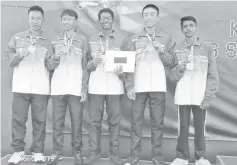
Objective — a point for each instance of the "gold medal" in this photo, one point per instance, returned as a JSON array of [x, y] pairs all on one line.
[[150, 47], [31, 49], [190, 66]]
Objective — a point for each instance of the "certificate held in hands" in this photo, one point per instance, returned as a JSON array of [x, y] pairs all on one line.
[[126, 59]]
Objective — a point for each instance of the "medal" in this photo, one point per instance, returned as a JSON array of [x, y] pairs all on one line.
[[151, 39], [31, 49], [150, 47]]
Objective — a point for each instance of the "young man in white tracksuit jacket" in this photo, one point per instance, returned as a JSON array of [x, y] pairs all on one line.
[[197, 83], [154, 59], [105, 87], [27, 52], [68, 62]]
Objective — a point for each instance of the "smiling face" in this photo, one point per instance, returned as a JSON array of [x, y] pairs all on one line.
[[68, 22], [150, 17], [36, 20], [189, 28], [106, 20]]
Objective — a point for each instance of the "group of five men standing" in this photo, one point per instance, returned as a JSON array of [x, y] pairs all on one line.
[[69, 67]]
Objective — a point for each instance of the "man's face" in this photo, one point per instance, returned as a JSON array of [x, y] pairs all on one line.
[[106, 20], [189, 28], [36, 20], [150, 17], [68, 22]]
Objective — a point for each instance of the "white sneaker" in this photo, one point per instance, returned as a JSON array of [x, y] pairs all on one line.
[[179, 161], [38, 157], [16, 158], [202, 161]]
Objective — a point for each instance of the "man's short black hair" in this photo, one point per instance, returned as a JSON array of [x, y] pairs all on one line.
[[151, 6], [36, 8], [105, 10], [187, 18], [69, 12]]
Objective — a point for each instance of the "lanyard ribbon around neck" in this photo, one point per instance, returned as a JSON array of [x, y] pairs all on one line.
[[68, 42], [190, 65], [103, 49], [151, 38], [32, 39]]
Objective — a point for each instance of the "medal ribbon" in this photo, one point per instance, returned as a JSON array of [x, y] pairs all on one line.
[[103, 49], [191, 48], [68, 42], [32, 39], [151, 38], [191, 58]]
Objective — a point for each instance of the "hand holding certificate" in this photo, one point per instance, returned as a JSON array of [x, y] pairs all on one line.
[[123, 59]]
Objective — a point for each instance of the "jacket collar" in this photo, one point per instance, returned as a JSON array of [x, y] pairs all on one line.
[[76, 36], [197, 42], [111, 34], [28, 33], [157, 33]]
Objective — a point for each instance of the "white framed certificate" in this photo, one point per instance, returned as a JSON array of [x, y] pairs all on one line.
[[114, 58]]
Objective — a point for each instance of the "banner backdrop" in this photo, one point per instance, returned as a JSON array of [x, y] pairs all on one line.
[[217, 23]]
